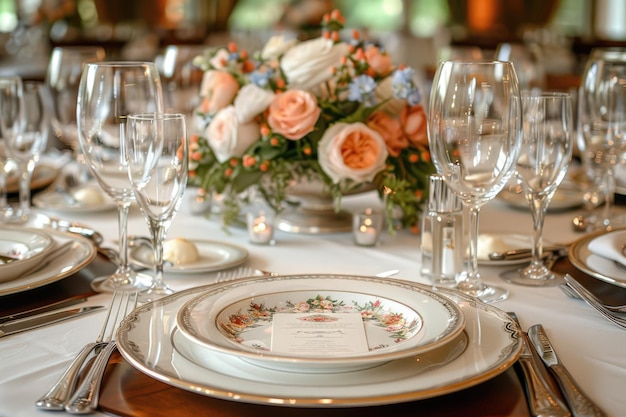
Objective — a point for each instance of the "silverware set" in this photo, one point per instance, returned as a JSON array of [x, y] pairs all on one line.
[[615, 314]]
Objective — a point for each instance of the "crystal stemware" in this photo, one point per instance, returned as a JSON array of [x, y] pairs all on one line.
[[602, 124], [11, 106], [26, 147], [108, 93], [544, 157], [474, 134], [156, 147]]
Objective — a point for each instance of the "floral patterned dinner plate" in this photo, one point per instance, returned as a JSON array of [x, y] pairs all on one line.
[[399, 320]]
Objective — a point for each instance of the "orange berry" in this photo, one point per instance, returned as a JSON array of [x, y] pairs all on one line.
[[413, 158], [264, 130], [274, 141], [326, 34], [335, 14], [307, 151], [232, 47], [356, 34], [335, 36], [228, 172], [415, 229], [233, 162]]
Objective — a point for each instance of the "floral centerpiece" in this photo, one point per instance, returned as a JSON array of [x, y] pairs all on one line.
[[332, 110]]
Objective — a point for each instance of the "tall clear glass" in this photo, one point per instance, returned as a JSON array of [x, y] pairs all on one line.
[[474, 134], [156, 148], [26, 147], [544, 157], [109, 92], [602, 124], [11, 106]]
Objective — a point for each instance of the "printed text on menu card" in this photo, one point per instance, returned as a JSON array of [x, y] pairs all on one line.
[[318, 334]]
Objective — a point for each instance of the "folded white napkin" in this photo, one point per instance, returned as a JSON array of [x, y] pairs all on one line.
[[610, 246]]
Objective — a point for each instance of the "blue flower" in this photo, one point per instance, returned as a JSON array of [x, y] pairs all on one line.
[[403, 86], [362, 88], [261, 78]]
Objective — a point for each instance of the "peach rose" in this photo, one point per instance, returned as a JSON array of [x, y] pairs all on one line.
[[293, 114], [380, 62], [218, 90], [391, 131], [352, 151], [414, 123], [228, 137]]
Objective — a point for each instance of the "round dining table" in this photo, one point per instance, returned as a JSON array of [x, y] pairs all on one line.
[[590, 347]]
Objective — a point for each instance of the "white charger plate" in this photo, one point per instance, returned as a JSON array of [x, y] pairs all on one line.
[[595, 265], [73, 260], [399, 319], [214, 256], [148, 340]]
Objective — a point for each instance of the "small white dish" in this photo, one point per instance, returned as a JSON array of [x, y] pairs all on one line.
[[69, 262], [43, 176], [25, 246], [500, 242], [213, 256], [399, 320], [599, 267]]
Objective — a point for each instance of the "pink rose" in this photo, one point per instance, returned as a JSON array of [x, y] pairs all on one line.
[[414, 123], [218, 90], [380, 62], [293, 114], [391, 131], [352, 151], [228, 137]]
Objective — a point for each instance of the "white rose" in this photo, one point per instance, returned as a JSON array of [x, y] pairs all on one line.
[[352, 151], [251, 101], [310, 63], [228, 137], [220, 59], [276, 46]]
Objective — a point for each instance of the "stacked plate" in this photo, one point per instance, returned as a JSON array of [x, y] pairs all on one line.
[[290, 340], [28, 259]]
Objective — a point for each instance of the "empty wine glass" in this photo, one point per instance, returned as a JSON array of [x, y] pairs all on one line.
[[527, 60], [474, 134], [26, 147], [156, 146], [602, 124], [544, 157], [181, 78], [108, 93], [10, 124]]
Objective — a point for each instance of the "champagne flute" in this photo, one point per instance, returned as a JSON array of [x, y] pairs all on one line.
[[108, 93], [11, 106], [544, 157], [156, 147], [474, 134], [26, 147], [602, 124]]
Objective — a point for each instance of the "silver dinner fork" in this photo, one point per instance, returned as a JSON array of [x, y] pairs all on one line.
[[242, 272], [614, 317], [57, 397]]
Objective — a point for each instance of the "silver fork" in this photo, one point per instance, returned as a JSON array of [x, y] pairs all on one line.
[[241, 272], [85, 398], [615, 318], [60, 392]]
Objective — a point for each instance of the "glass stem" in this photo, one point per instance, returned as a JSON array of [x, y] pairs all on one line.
[[26, 174], [122, 214], [609, 197], [538, 210], [158, 237], [471, 283]]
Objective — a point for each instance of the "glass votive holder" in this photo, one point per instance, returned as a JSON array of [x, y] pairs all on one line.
[[261, 227], [366, 227]]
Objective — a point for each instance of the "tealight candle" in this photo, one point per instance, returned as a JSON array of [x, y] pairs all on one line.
[[367, 227], [260, 228]]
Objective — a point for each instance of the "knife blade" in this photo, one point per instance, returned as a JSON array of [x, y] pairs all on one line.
[[542, 401], [43, 309], [580, 404], [30, 323]]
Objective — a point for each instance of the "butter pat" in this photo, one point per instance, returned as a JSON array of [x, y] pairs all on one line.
[[180, 251], [489, 243], [88, 195]]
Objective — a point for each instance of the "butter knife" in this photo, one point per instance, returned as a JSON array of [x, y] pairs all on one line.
[[542, 401], [21, 325], [580, 404]]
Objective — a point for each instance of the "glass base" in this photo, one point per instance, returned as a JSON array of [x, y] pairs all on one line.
[[154, 293], [485, 293], [121, 282], [532, 277]]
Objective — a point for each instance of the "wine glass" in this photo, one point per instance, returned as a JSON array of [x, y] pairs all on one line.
[[544, 157], [474, 134], [156, 147], [62, 78], [108, 93], [181, 78], [602, 124], [11, 106], [527, 60], [26, 147]]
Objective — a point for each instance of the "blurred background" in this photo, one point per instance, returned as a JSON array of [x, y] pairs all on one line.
[[417, 32]]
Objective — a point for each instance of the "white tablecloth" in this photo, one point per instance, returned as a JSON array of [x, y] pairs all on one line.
[[591, 347]]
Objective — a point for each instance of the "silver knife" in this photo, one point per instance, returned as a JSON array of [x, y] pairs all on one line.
[[541, 399], [43, 309], [22, 325], [580, 404]]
